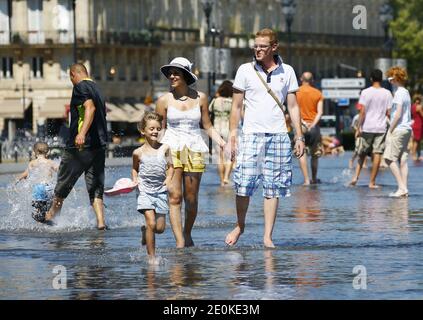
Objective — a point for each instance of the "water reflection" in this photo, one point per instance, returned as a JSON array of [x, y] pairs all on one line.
[[307, 205], [308, 270], [325, 231]]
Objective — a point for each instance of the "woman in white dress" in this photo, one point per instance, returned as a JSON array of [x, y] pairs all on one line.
[[183, 108], [221, 107]]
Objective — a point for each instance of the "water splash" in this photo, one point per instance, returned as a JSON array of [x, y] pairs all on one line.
[[76, 214]]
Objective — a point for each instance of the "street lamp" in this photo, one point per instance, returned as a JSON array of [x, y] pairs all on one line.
[[74, 30], [208, 8], [386, 15], [289, 9]]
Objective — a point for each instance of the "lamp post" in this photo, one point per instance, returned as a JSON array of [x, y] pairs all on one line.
[[289, 9], [214, 32], [386, 15], [74, 30], [208, 8]]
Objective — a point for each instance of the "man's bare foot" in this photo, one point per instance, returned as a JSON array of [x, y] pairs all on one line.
[[306, 183], [143, 239], [233, 236], [374, 186], [400, 193], [353, 182], [268, 244]]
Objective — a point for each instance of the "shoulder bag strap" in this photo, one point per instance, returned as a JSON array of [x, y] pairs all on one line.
[[268, 89]]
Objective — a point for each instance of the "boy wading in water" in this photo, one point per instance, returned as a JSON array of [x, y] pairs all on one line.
[[152, 169], [40, 171]]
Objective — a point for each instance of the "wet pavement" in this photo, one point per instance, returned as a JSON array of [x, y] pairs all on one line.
[[333, 242]]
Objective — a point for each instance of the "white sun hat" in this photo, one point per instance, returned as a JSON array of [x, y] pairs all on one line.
[[182, 64], [123, 185]]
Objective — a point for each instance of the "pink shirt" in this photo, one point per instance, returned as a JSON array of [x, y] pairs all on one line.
[[376, 102]]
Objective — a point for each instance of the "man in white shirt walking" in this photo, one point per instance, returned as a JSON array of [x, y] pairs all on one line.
[[264, 150], [372, 125]]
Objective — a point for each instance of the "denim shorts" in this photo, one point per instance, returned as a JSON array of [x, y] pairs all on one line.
[[153, 201], [264, 158]]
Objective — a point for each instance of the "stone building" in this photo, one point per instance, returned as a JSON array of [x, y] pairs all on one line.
[[124, 42]]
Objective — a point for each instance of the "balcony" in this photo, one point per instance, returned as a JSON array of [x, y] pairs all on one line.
[[311, 40], [143, 37]]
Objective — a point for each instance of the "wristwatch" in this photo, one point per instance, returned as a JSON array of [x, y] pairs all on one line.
[[301, 138]]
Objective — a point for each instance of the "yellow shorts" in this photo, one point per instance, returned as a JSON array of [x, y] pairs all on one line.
[[188, 160]]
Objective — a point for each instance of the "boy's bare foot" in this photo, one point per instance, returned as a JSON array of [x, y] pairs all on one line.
[[353, 182], [374, 186], [233, 236], [143, 239], [306, 183], [103, 228]]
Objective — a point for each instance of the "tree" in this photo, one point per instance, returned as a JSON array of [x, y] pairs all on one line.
[[407, 30]]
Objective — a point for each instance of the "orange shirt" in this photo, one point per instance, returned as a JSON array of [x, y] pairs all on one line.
[[308, 98]]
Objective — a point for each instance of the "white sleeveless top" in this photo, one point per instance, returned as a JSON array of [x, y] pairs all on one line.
[[152, 172], [183, 129]]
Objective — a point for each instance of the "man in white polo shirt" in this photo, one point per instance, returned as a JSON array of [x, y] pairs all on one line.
[[264, 150]]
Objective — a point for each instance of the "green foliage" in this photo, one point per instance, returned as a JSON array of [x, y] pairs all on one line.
[[407, 29]]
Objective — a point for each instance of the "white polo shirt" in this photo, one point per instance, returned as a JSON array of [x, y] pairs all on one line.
[[262, 113]]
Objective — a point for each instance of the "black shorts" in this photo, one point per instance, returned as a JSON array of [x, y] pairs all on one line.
[[73, 164], [313, 140]]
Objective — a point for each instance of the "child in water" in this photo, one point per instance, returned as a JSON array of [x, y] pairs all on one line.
[[40, 171], [152, 170]]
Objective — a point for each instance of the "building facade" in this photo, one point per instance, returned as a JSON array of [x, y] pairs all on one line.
[[124, 42]]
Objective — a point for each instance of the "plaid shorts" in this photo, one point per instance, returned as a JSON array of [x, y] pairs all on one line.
[[266, 158]]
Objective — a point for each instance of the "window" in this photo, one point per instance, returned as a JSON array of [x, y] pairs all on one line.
[[6, 68], [65, 63], [4, 22], [122, 73], [64, 22], [134, 73], [35, 22], [37, 67], [96, 72]]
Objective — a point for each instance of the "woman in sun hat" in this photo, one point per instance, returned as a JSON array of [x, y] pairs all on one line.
[[183, 108]]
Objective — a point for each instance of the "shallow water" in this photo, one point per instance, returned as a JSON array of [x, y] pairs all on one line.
[[322, 232]]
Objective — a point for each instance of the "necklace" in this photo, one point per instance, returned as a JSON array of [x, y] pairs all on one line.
[[182, 99]]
